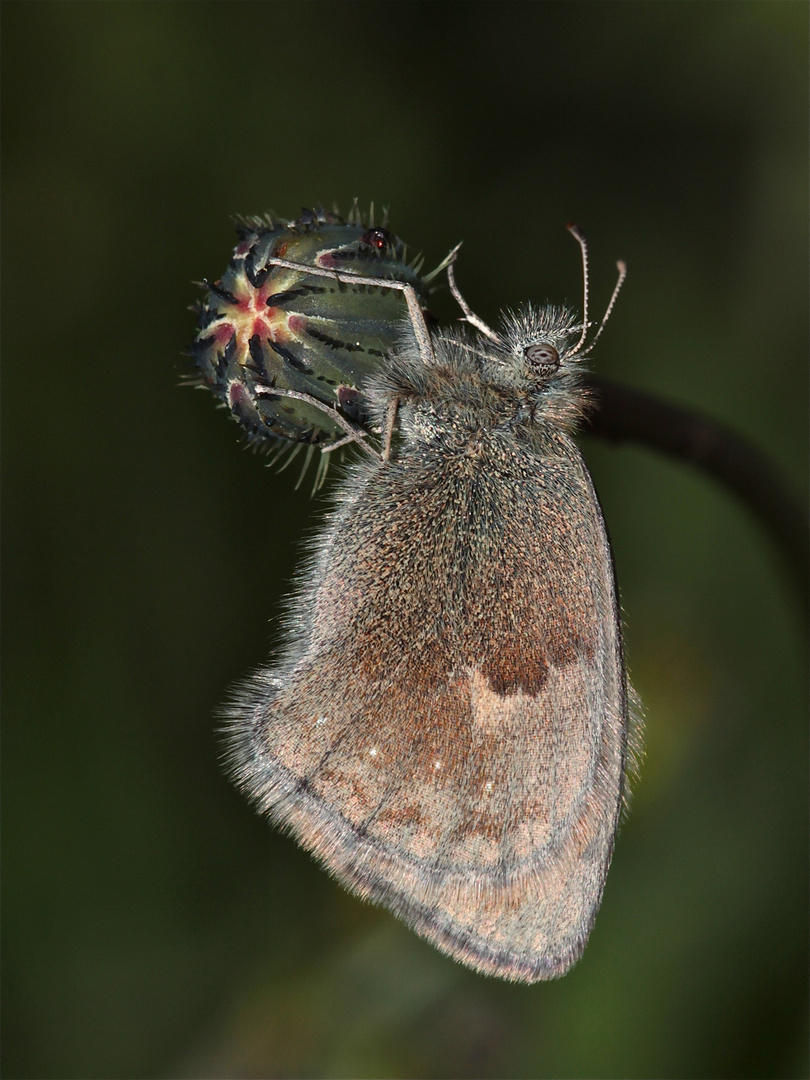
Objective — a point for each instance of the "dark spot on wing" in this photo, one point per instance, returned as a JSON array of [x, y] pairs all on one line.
[[507, 673], [523, 664]]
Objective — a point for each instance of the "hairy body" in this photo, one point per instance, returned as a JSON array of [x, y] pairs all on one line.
[[447, 730]]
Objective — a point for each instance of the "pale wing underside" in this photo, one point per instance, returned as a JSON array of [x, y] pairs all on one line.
[[451, 741]]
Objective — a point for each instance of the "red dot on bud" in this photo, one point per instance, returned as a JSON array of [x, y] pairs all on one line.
[[376, 238]]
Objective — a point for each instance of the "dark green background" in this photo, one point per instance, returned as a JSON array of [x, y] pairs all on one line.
[[152, 925]]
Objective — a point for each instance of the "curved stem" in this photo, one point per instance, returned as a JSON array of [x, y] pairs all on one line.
[[619, 413]]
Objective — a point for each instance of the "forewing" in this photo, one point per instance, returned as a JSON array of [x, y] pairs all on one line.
[[450, 737]]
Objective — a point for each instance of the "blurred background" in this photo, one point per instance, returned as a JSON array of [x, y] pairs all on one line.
[[152, 924]]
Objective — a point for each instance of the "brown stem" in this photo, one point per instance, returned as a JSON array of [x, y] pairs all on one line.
[[620, 413]]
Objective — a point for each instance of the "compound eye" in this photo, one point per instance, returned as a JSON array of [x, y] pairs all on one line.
[[543, 358]]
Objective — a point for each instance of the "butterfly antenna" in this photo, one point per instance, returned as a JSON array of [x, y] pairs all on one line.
[[583, 247], [622, 268]]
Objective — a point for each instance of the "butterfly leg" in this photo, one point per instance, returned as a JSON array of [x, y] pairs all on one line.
[[389, 428], [343, 277], [469, 314], [353, 434]]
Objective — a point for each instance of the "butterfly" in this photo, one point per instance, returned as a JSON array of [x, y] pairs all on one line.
[[448, 724]]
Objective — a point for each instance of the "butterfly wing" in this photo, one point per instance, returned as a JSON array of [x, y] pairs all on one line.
[[449, 734]]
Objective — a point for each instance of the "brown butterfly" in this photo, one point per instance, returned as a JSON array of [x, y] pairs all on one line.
[[447, 728]]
